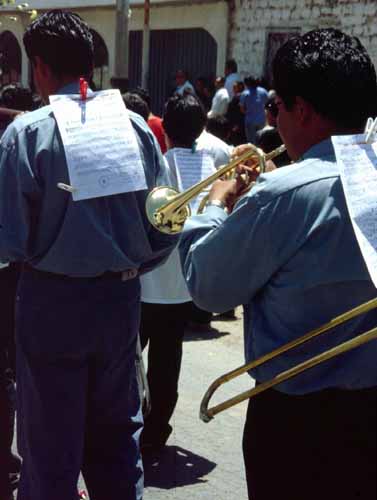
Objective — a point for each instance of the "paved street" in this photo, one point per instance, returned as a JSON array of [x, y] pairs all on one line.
[[204, 461]]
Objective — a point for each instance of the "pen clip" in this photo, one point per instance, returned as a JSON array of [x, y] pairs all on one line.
[[83, 89], [370, 130]]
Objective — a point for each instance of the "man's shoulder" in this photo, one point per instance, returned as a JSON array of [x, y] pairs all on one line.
[[289, 179]]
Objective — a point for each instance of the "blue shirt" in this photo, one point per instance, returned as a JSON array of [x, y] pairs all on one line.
[[253, 101], [41, 224], [288, 253]]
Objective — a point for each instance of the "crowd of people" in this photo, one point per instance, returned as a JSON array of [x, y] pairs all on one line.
[[82, 279], [235, 106]]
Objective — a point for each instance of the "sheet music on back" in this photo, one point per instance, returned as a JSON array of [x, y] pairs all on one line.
[[193, 168], [358, 170], [101, 148]]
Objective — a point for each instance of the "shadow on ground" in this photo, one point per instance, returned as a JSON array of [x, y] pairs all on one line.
[[210, 333], [174, 467]]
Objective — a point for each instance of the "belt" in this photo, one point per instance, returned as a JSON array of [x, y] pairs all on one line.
[[125, 275]]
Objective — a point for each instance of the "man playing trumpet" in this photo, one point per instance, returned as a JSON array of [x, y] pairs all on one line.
[[297, 265]]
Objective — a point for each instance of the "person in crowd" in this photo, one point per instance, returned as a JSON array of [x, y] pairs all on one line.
[[78, 297], [154, 121], [231, 76], [15, 100], [219, 126], [220, 101], [236, 117], [289, 253], [166, 303], [204, 92], [268, 138], [136, 104], [252, 103], [167, 307], [184, 86]]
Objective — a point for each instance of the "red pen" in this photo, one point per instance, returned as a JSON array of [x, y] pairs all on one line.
[[83, 89]]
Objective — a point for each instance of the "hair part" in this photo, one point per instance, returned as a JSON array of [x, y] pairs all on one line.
[[63, 41], [330, 70]]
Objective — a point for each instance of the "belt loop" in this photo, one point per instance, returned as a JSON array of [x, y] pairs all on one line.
[[129, 274]]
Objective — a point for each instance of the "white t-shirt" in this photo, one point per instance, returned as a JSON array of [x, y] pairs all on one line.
[[218, 149], [220, 103], [229, 82], [166, 284]]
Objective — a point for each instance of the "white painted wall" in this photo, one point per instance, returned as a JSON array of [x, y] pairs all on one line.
[[255, 18]]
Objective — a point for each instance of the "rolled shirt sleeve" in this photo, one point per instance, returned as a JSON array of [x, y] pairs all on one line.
[[219, 252]]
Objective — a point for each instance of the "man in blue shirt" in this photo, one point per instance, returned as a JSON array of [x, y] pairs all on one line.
[[298, 265], [78, 303], [252, 103]]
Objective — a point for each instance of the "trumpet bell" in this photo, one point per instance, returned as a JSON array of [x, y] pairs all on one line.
[[158, 198]]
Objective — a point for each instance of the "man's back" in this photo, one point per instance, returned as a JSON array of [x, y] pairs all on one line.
[[57, 234]]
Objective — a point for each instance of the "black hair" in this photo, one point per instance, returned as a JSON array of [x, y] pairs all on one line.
[[184, 120], [251, 81], [219, 126], [136, 104], [144, 94], [231, 65], [16, 97], [330, 70], [63, 41]]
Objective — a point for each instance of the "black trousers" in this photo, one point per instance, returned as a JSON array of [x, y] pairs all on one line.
[[163, 326], [319, 446], [9, 464]]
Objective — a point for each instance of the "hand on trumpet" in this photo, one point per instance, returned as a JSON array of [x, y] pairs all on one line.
[[228, 191], [250, 167]]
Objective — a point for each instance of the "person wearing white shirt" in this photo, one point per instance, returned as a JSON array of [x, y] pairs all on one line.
[[183, 84], [220, 101], [166, 302], [231, 76]]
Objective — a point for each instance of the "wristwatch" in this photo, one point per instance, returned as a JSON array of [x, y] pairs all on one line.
[[216, 203]]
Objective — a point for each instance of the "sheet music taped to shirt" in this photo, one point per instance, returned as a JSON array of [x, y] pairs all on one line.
[[358, 170], [100, 145], [193, 168]]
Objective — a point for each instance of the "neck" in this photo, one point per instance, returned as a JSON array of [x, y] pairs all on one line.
[[57, 83]]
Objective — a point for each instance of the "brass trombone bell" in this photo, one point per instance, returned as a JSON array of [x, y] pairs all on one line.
[[167, 209], [207, 414]]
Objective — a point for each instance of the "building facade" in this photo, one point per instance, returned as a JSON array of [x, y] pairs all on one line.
[[259, 27], [195, 35]]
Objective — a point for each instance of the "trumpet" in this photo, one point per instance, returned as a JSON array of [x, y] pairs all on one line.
[[167, 209], [206, 414]]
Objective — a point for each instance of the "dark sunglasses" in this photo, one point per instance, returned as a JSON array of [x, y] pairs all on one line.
[[273, 109]]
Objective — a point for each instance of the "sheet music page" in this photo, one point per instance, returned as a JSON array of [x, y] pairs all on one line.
[[101, 148], [193, 168], [358, 169]]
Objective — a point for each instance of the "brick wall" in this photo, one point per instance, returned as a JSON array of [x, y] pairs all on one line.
[[253, 20]]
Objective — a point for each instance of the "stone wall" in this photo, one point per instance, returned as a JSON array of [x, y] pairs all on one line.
[[253, 22]]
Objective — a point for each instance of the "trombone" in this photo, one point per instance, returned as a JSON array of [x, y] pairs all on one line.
[[167, 209], [206, 414]]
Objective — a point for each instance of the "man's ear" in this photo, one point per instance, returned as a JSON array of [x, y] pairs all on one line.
[[304, 111]]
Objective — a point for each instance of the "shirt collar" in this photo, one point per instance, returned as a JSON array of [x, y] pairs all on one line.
[[320, 150], [70, 88]]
